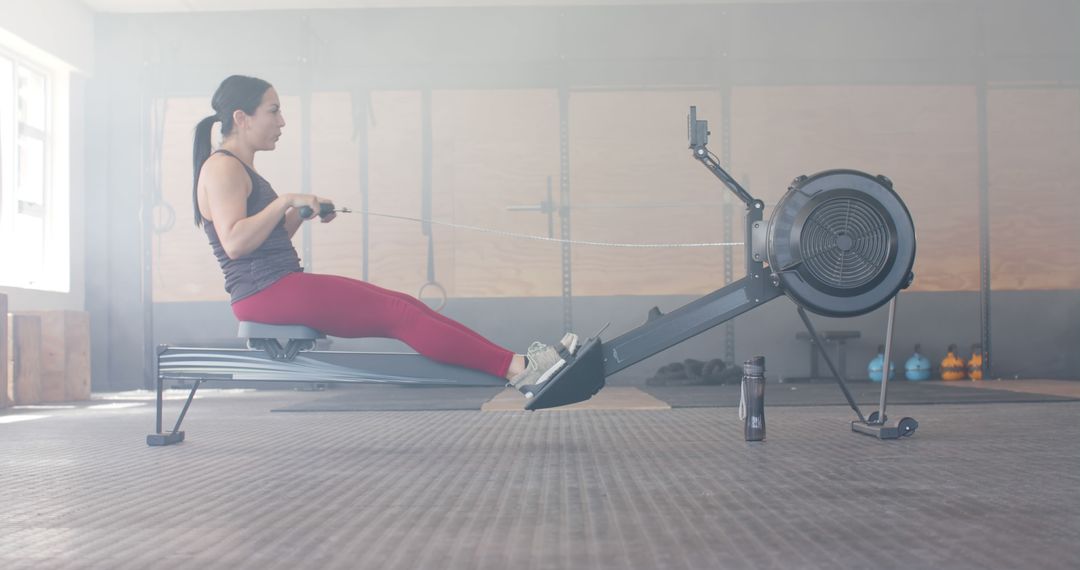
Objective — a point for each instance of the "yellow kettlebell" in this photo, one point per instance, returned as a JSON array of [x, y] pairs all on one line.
[[952, 367], [974, 365]]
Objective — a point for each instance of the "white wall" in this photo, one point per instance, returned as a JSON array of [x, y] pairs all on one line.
[[62, 29]]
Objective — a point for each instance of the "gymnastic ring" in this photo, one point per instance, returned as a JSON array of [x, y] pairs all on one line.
[[442, 302]]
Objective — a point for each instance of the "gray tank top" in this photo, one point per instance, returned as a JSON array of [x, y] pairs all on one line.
[[273, 259]]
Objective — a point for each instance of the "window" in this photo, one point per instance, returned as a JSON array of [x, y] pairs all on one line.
[[34, 248]]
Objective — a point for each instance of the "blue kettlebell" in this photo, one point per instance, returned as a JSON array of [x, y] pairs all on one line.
[[875, 366], [917, 367]]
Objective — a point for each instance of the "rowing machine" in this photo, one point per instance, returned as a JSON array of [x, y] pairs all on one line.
[[840, 243]]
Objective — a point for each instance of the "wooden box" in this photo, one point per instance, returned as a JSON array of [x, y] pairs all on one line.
[[65, 355], [24, 354], [5, 360]]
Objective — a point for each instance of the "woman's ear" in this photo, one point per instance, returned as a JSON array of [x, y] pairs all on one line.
[[239, 117]]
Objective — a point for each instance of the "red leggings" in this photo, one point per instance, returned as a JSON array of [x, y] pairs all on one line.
[[350, 308]]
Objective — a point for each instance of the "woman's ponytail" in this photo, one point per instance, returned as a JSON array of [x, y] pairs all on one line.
[[200, 153]]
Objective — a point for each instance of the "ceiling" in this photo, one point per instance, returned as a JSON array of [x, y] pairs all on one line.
[[136, 6]]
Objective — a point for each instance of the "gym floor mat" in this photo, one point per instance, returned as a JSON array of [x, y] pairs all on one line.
[[983, 487], [610, 398], [829, 394], [396, 398]]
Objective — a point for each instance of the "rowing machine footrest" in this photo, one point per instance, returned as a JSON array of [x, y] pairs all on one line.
[[580, 379]]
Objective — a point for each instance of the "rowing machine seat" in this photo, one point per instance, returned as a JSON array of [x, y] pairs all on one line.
[[261, 336], [251, 329]]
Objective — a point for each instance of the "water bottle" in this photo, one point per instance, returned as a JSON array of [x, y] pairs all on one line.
[[753, 391]]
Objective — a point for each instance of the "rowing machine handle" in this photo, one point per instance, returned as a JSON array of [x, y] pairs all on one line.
[[325, 209]]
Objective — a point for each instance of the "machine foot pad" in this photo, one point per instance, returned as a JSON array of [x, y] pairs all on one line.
[[159, 439]]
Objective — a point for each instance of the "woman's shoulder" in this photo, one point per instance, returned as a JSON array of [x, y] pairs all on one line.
[[221, 167]]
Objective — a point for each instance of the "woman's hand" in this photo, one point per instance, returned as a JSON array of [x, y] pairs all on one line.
[[298, 201]]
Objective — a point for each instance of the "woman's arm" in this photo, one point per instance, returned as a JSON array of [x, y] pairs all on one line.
[[292, 221], [227, 189]]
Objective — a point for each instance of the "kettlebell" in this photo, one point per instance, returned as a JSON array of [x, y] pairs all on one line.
[[974, 364], [917, 367], [952, 368], [876, 365]]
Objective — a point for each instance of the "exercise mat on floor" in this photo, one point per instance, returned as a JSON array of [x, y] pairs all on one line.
[[390, 398], [822, 394]]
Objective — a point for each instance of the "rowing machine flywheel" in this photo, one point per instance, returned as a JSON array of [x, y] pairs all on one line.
[[841, 243]]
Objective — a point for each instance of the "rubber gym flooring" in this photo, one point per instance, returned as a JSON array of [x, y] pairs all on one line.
[[633, 480]]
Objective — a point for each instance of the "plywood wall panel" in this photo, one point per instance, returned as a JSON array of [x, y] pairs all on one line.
[[629, 172]]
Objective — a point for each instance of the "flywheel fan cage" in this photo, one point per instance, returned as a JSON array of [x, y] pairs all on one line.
[[846, 242], [841, 243]]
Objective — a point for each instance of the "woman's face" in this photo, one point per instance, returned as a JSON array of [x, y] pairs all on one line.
[[262, 129]]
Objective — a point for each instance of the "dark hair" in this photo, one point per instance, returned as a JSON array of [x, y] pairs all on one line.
[[236, 92]]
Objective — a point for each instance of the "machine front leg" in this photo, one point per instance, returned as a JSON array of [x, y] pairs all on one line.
[[175, 436]]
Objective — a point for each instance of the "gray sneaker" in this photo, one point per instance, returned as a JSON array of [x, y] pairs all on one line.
[[568, 344], [544, 363]]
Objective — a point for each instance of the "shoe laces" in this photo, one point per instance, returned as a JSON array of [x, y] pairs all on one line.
[[536, 347]]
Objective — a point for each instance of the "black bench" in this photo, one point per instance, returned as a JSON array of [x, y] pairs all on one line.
[[839, 338]]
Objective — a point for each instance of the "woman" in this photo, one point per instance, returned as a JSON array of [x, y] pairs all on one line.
[[250, 229]]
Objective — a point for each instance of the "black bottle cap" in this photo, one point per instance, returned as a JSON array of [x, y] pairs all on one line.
[[754, 367]]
